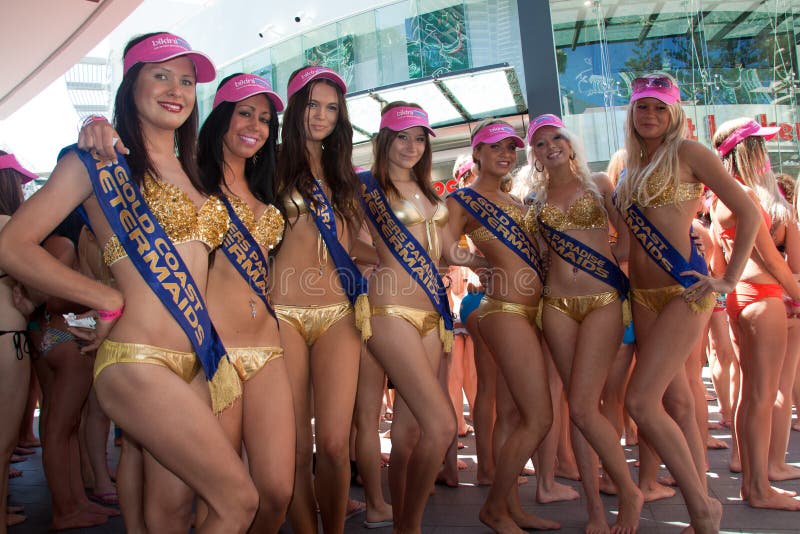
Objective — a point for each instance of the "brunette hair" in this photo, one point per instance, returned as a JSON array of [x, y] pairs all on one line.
[[128, 125], [294, 169], [421, 171], [259, 170], [11, 197]]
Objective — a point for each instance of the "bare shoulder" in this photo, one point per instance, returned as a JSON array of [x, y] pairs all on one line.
[[603, 182]]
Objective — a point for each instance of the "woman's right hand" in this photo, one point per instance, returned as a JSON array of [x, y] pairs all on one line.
[[99, 135]]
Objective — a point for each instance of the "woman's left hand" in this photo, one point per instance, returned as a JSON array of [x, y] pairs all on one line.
[[704, 285]]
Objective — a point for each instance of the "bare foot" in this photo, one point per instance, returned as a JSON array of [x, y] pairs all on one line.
[[15, 509], [484, 478], [502, 524], [597, 526], [384, 459], [78, 519], [784, 472], [735, 464], [444, 480], [570, 473], [14, 519], [30, 442], [796, 426], [714, 443], [533, 522], [711, 524], [462, 465], [656, 491], [630, 508], [667, 480], [522, 480], [528, 472], [556, 492], [713, 425], [773, 500], [98, 509], [607, 485]]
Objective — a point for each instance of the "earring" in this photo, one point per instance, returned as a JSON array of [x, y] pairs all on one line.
[[536, 164], [572, 156]]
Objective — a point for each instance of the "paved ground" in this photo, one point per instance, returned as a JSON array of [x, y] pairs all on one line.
[[456, 510]]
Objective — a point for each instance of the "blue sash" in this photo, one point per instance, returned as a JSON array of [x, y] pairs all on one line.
[[500, 224], [158, 262], [353, 283], [585, 258], [244, 253], [660, 250], [408, 252]]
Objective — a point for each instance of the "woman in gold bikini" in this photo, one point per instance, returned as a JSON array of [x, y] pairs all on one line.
[[665, 176], [506, 319], [237, 158], [147, 377], [423, 425], [318, 329], [582, 316]]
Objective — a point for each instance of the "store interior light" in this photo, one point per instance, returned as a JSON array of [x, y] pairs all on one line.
[[483, 94], [426, 94]]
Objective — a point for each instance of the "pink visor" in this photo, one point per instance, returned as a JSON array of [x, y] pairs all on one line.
[[661, 88], [8, 161], [497, 132], [308, 74], [543, 120], [741, 133], [465, 167], [405, 117], [166, 46], [244, 86]]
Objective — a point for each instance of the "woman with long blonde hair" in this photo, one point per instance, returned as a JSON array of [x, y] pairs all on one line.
[[755, 306], [665, 177]]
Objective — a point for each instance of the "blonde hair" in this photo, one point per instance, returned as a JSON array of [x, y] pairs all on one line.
[[633, 188], [616, 165], [538, 181], [748, 161]]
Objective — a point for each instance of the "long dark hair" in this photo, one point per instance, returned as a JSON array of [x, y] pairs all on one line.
[[10, 190], [294, 170], [421, 171], [259, 170], [127, 123]]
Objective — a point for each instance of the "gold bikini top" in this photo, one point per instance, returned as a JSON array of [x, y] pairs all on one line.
[[267, 230], [294, 205], [584, 214], [527, 222], [671, 194], [179, 217], [408, 214]]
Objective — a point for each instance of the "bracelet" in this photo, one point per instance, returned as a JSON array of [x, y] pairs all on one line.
[[795, 303], [110, 315], [92, 118]]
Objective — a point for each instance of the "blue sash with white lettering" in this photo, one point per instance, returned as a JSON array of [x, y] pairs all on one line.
[[154, 255], [407, 251], [660, 250], [500, 224], [244, 253], [353, 283], [585, 258]]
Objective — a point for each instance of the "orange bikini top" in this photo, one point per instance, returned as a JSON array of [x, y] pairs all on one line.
[[527, 221], [671, 194], [583, 214], [730, 233], [181, 219], [267, 230]]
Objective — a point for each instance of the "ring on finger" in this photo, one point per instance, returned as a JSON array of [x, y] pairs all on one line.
[[114, 141]]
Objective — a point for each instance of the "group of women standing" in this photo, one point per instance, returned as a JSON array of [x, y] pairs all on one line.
[[266, 353]]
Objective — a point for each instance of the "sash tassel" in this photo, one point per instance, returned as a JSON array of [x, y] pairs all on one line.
[[362, 311], [446, 336], [627, 316], [225, 386]]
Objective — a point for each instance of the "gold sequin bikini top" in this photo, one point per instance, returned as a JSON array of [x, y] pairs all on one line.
[[408, 214], [179, 217], [294, 205], [527, 221], [267, 230], [671, 194], [584, 214]]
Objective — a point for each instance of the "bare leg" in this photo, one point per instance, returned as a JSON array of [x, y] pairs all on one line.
[[14, 376], [664, 343], [27, 437], [97, 427], [649, 464], [130, 485], [412, 368], [483, 415], [178, 429], [782, 410], [371, 379], [721, 358], [334, 375]]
